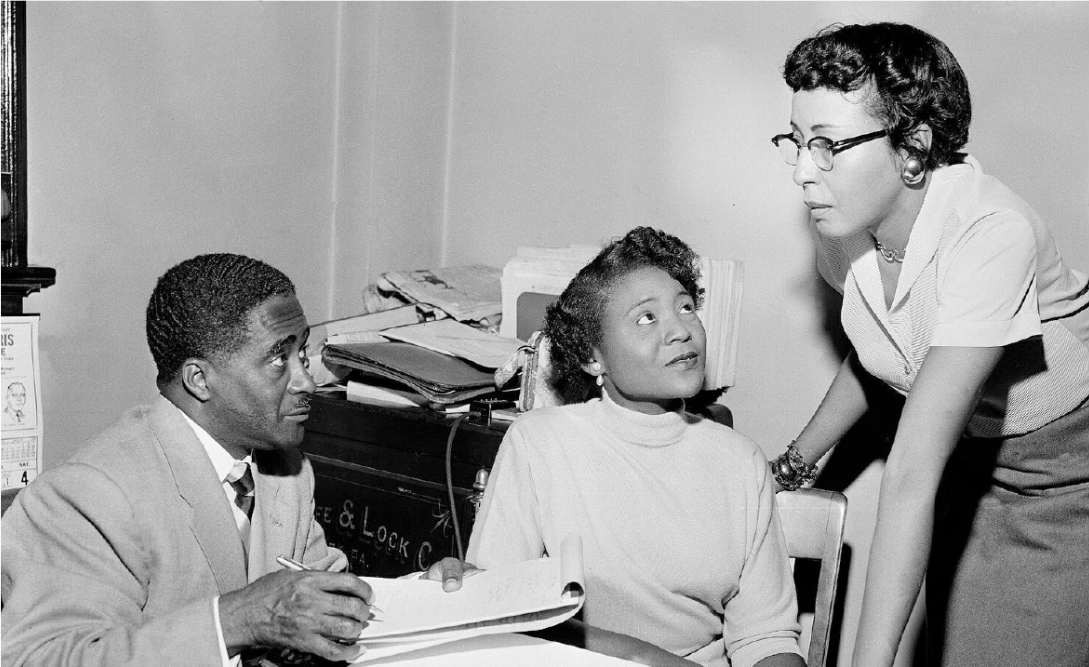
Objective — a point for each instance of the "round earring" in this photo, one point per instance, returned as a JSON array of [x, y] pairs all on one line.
[[600, 380], [914, 171]]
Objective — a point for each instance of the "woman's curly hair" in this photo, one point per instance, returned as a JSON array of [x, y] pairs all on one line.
[[915, 76], [573, 322]]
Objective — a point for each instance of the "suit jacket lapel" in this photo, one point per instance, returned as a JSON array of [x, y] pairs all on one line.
[[270, 535], [209, 516]]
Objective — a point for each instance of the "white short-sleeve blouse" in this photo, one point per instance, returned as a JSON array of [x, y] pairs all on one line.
[[981, 270]]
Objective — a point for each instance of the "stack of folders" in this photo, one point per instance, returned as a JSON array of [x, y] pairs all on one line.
[[362, 328], [439, 378], [721, 280], [445, 361]]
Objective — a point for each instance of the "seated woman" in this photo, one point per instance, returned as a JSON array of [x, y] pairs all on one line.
[[682, 551]]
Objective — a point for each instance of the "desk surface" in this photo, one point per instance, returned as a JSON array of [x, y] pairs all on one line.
[[501, 650]]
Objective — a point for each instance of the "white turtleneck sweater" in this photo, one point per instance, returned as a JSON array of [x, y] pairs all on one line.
[[681, 544]]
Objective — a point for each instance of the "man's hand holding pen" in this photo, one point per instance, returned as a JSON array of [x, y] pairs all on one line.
[[312, 611]]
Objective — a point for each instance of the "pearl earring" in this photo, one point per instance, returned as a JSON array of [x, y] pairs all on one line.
[[913, 172], [600, 381]]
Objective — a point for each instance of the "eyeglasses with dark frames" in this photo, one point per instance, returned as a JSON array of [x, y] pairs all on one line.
[[822, 149]]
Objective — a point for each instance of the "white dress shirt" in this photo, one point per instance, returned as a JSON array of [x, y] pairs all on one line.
[[222, 462]]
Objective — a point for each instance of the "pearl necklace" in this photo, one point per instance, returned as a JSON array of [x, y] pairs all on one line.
[[890, 255]]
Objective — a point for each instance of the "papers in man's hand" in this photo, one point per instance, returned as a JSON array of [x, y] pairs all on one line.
[[526, 596]]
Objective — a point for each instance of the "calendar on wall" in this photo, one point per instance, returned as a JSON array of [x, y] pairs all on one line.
[[20, 388]]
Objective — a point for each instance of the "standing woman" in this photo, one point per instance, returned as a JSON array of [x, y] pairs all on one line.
[[954, 295]]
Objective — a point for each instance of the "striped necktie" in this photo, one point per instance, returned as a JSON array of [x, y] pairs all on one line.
[[241, 480]]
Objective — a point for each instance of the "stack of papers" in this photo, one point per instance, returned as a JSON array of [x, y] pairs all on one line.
[[373, 394], [522, 597], [467, 293], [459, 340], [361, 328]]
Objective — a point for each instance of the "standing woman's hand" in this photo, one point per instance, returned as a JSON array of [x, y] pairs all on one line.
[[789, 471]]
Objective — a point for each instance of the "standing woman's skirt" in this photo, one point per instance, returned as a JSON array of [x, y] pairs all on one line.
[[1008, 582]]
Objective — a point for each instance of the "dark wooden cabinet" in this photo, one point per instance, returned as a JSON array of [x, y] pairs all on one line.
[[381, 490]]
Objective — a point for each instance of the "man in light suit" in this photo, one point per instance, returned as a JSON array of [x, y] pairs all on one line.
[[139, 550]]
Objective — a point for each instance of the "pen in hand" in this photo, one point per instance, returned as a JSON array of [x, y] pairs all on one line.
[[296, 566]]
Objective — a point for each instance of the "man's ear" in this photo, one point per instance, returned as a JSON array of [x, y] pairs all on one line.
[[194, 377]]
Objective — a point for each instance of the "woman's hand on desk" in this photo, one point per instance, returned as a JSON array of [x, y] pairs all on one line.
[[450, 571]]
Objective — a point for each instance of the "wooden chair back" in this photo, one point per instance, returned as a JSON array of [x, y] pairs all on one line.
[[813, 521]]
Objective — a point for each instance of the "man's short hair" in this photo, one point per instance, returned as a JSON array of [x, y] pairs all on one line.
[[200, 308]]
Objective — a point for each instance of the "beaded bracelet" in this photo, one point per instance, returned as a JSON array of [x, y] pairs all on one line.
[[791, 471]]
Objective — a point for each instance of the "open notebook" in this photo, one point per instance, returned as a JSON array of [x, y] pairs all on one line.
[[521, 597]]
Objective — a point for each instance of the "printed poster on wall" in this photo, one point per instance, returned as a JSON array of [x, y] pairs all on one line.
[[20, 384]]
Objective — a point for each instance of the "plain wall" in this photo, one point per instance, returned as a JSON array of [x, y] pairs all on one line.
[[576, 121], [310, 135], [337, 141], [158, 131], [573, 122], [392, 107]]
